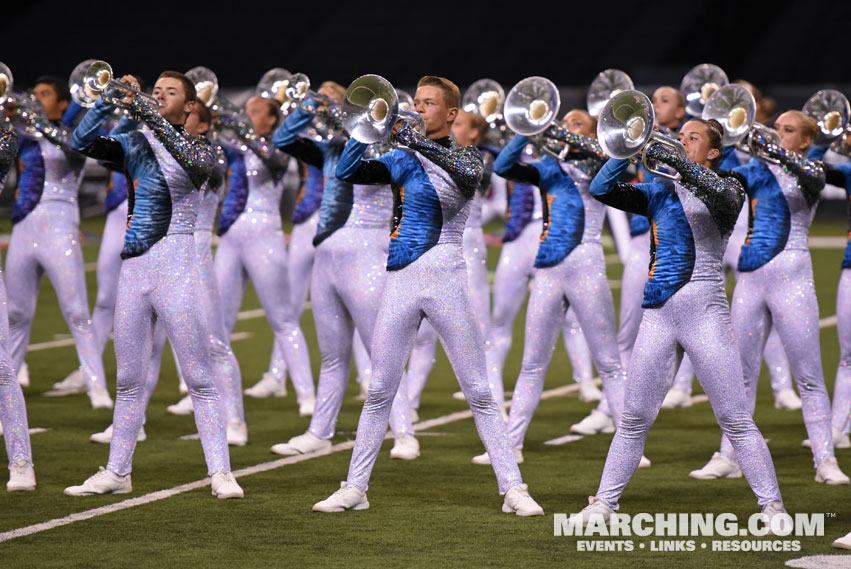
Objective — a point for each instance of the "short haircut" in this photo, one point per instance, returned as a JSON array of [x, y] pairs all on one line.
[[451, 93], [59, 86], [204, 114], [809, 126], [188, 85]]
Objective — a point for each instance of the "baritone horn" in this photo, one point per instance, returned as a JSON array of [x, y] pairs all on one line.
[[486, 97], [273, 85], [226, 115], [625, 129], [530, 110], [606, 85], [735, 108], [830, 109], [371, 110], [699, 84]]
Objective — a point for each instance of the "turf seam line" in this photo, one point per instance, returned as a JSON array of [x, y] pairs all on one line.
[[248, 471]]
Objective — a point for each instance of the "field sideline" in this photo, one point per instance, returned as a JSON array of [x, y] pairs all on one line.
[[437, 510]]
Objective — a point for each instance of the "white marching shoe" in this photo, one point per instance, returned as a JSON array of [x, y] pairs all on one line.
[[589, 392], [100, 398], [828, 472], [787, 400], [595, 507], [771, 511], [105, 436], [73, 383], [485, 459], [24, 375], [225, 486], [346, 498], [306, 406], [843, 542], [840, 440], [182, 407], [268, 386], [676, 398], [103, 482], [719, 466], [518, 501], [301, 444], [237, 432], [406, 447], [21, 477], [644, 462], [596, 422]]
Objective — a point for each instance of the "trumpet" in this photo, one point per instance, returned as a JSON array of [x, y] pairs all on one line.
[[830, 109], [699, 84], [229, 122], [99, 78], [82, 95], [625, 129], [370, 110], [486, 97], [735, 108], [606, 85]]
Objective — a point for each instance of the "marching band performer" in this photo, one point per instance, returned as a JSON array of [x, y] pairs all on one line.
[[252, 243], [776, 286], [159, 275], [571, 270], [426, 278], [685, 303], [46, 235], [467, 130], [13, 410], [348, 279], [305, 219]]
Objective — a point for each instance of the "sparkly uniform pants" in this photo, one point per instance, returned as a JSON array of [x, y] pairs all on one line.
[[697, 318], [48, 241], [434, 287], [164, 284]]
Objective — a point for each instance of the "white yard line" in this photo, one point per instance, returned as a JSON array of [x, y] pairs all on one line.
[[262, 467]]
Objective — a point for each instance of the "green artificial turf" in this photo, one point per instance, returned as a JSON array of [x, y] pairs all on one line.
[[437, 511]]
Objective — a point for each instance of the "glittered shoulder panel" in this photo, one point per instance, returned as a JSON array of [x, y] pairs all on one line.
[[193, 153], [464, 165], [810, 173], [8, 151]]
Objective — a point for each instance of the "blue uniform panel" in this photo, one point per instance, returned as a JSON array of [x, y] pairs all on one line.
[[769, 220], [309, 194], [845, 168], [30, 179], [638, 225], [521, 208], [672, 247], [337, 197], [564, 213], [151, 196], [237, 196], [418, 227]]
